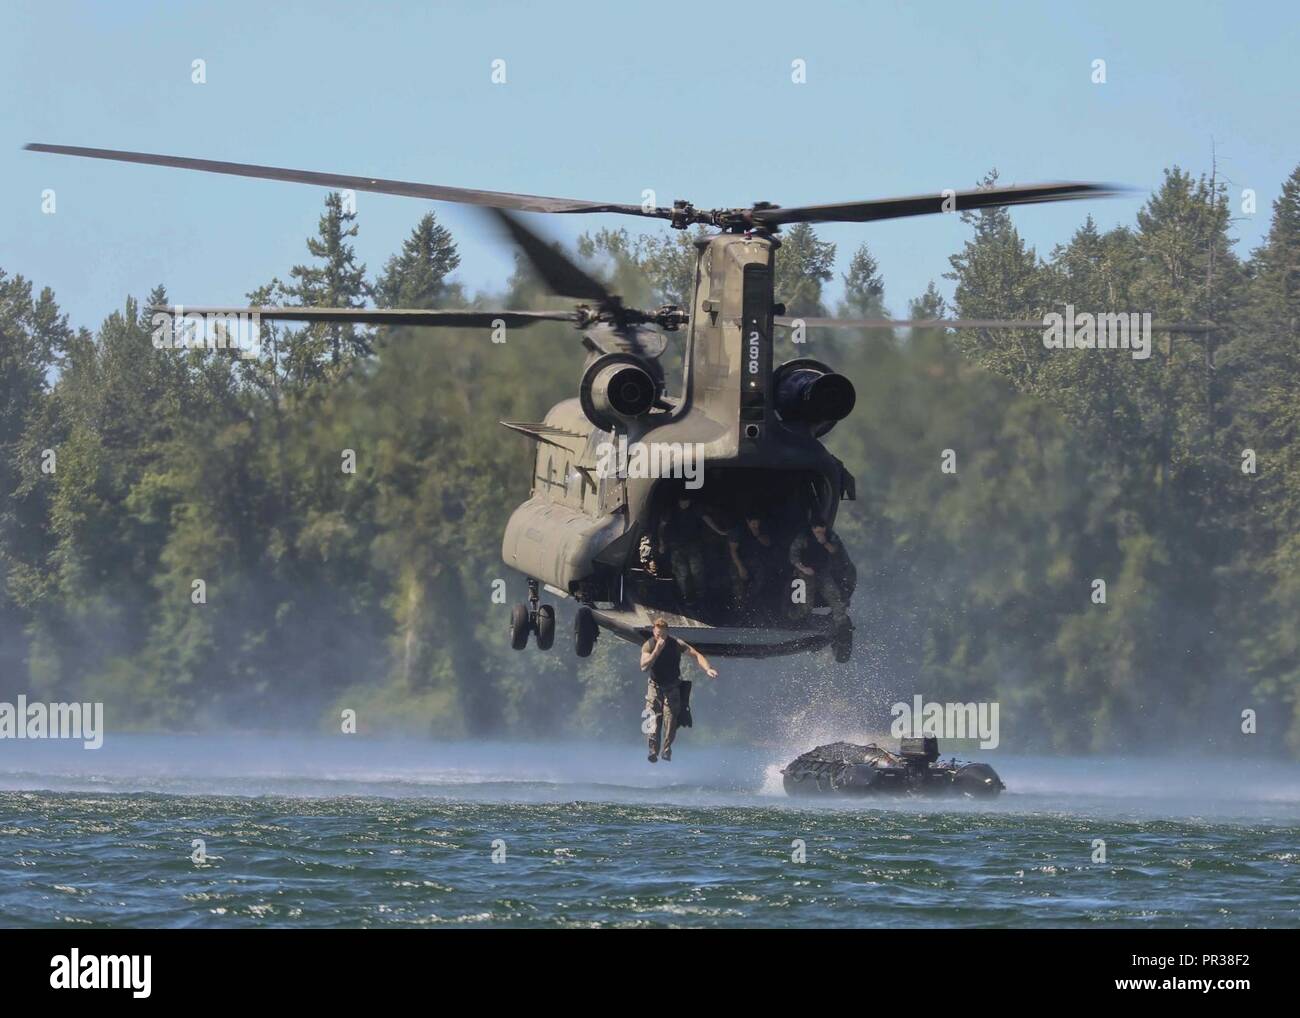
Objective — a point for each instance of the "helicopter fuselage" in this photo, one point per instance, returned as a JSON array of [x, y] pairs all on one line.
[[578, 532]]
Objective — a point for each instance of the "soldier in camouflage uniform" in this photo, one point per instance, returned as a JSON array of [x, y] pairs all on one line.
[[819, 559], [757, 565], [681, 538], [662, 656]]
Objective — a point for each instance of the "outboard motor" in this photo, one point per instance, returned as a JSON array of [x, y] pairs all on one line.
[[809, 392], [918, 754]]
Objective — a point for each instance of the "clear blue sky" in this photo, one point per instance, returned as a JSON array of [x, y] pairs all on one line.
[[602, 100]]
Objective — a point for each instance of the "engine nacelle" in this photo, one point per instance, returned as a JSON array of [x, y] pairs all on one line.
[[617, 389], [809, 392]]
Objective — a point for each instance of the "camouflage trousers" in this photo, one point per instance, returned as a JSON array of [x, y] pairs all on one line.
[[664, 704], [751, 593], [688, 572], [825, 587]]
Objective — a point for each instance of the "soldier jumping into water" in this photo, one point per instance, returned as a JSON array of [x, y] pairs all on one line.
[[662, 655]]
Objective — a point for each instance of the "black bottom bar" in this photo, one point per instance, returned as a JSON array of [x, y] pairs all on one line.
[[341, 967]]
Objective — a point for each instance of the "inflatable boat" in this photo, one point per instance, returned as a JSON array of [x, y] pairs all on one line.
[[847, 769]]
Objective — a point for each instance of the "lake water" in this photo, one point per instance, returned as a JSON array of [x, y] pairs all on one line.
[[349, 832]]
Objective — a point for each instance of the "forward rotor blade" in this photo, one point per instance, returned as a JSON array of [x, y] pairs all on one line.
[[960, 323], [381, 316], [436, 192], [561, 275], [925, 204]]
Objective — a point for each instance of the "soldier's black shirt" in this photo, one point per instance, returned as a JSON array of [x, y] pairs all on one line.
[[808, 550], [753, 552], [685, 526], [667, 667]]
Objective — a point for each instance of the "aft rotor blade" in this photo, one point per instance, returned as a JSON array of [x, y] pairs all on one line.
[[925, 204], [959, 323], [560, 274], [436, 192], [908, 323], [381, 316]]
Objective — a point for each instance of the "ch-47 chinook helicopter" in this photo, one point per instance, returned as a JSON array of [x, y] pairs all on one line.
[[756, 427]]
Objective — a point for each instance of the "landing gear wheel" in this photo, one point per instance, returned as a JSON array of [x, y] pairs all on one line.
[[842, 644], [519, 627], [545, 627], [584, 632]]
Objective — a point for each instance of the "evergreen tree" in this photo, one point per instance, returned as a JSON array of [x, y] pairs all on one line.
[[804, 263], [417, 277], [929, 305], [34, 336], [864, 288], [338, 281], [1267, 410], [998, 275]]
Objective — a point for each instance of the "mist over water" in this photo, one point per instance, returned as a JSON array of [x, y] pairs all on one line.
[[355, 831], [700, 774]]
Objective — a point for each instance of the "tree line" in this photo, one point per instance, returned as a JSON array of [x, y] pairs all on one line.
[[128, 472]]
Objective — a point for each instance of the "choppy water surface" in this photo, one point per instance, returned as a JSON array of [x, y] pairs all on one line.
[[355, 832]]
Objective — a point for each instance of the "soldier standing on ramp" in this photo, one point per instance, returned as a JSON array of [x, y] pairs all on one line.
[[662, 655], [681, 538], [819, 557]]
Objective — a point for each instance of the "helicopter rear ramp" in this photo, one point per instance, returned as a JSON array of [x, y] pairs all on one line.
[[633, 624]]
